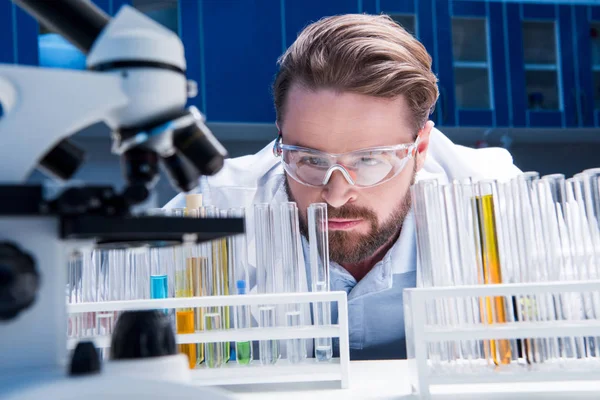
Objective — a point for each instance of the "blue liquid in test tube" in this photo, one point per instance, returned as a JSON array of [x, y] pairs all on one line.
[[159, 288]]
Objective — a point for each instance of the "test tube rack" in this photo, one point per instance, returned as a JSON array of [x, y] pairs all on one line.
[[232, 373], [425, 374]]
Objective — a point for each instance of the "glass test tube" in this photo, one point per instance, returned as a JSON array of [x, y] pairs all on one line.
[[459, 307], [555, 265], [470, 249], [445, 270], [213, 316], [587, 268], [423, 250], [425, 213], [561, 197], [224, 269], [591, 193], [74, 273], [183, 288], [522, 188], [289, 236], [591, 184], [197, 265], [161, 261], [269, 351], [589, 187], [493, 308], [99, 256], [114, 261], [581, 252], [239, 267], [318, 236]]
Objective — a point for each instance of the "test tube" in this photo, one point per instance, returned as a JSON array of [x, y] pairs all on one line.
[[159, 278], [100, 256], [75, 327], [183, 288], [544, 257], [423, 247], [269, 352], [114, 263], [494, 308], [195, 264], [224, 267], [425, 215], [239, 266], [289, 235], [213, 352], [591, 189], [318, 236], [587, 268]]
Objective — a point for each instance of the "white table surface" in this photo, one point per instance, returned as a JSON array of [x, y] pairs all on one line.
[[379, 380]]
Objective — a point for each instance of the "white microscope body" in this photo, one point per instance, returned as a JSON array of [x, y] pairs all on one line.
[[136, 84]]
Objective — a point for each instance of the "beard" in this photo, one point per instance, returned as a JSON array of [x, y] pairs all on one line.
[[352, 247]]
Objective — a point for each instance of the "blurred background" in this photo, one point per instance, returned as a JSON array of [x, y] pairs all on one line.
[[524, 75]]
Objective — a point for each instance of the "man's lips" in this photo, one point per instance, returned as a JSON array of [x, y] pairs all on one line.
[[340, 224]]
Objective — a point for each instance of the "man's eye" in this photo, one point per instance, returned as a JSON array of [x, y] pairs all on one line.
[[314, 161], [369, 161]]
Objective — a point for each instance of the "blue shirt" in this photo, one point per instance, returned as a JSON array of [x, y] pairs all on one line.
[[375, 303]]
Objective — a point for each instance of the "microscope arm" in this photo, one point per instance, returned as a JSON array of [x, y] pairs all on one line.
[[136, 84], [44, 106]]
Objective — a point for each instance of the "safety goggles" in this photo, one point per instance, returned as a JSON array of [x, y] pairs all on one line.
[[362, 168]]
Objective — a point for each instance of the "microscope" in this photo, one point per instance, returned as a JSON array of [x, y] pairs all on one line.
[[135, 83]]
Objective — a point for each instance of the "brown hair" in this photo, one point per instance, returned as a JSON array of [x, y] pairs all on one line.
[[366, 54]]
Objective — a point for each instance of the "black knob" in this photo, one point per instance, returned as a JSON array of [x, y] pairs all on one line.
[[63, 160], [85, 360], [19, 281], [142, 334]]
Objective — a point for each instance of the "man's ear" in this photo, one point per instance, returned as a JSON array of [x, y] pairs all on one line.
[[423, 144]]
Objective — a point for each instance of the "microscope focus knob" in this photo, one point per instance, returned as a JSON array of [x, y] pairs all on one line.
[[85, 360], [142, 334], [19, 281]]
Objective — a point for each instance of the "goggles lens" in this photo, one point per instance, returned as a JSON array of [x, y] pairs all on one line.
[[363, 168]]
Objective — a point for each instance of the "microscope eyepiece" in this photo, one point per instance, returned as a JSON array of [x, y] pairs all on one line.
[[63, 160], [197, 143], [182, 174], [182, 143], [140, 168]]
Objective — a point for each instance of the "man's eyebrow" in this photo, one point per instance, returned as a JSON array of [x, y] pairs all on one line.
[[297, 144]]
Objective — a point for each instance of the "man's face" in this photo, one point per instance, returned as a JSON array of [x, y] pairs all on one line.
[[361, 220]]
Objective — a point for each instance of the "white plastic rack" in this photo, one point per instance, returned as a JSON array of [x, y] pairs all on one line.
[[231, 373], [579, 321]]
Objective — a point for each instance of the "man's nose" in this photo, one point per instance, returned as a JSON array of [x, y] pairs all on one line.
[[338, 190]]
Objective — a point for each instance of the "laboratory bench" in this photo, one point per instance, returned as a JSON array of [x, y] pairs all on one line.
[[379, 380]]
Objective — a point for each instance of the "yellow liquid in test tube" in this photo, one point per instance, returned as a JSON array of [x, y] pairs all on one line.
[[492, 308], [185, 316], [185, 324]]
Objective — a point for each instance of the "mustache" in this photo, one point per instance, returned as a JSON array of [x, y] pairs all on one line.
[[350, 211]]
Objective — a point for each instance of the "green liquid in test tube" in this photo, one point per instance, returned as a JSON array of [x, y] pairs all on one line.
[[239, 275], [243, 350]]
